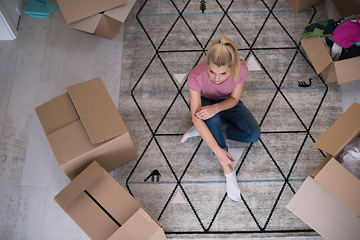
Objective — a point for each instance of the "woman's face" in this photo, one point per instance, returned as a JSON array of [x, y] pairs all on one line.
[[218, 74]]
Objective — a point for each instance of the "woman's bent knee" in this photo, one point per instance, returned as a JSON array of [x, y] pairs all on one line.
[[214, 121], [254, 135]]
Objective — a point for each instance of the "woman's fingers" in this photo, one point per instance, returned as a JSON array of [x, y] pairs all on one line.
[[201, 114], [231, 158], [228, 161]]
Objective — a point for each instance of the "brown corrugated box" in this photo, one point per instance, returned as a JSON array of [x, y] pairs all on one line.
[[83, 125], [329, 200], [298, 5], [103, 209], [347, 7], [341, 71], [150, 230], [102, 18]]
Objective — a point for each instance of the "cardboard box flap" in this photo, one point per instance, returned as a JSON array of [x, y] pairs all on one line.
[[343, 130], [317, 208], [56, 113], [75, 10], [107, 27], [79, 185], [317, 52], [346, 70], [88, 24], [342, 184], [99, 24], [329, 74], [91, 218], [96, 110], [321, 165], [130, 230], [70, 142], [120, 13], [109, 193]]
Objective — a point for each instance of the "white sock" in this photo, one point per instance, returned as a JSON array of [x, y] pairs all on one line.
[[232, 186], [192, 132]]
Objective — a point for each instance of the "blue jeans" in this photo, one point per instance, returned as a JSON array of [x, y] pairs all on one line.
[[243, 127]]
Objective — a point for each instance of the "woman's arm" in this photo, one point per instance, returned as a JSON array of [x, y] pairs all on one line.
[[209, 111], [195, 104]]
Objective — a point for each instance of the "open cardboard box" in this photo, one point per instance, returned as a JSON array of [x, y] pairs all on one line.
[[83, 125], [103, 209], [329, 200], [341, 71], [102, 18], [298, 5]]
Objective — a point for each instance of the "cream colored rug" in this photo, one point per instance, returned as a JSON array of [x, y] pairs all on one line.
[[182, 184]]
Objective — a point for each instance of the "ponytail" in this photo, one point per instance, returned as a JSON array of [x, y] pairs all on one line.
[[224, 52]]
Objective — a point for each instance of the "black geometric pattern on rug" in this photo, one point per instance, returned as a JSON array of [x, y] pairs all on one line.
[[252, 50]]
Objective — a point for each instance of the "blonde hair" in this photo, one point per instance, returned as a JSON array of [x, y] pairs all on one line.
[[224, 52]]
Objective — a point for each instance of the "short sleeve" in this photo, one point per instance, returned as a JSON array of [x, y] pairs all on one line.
[[194, 83], [244, 72]]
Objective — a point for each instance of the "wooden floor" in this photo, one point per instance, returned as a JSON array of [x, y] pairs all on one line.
[[46, 57]]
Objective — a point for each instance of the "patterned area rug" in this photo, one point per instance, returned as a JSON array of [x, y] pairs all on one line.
[[183, 184]]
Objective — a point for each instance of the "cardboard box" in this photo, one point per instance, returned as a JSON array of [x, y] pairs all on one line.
[[347, 7], [329, 200], [102, 18], [103, 209], [83, 125], [342, 71], [150, 230], [298, 5]]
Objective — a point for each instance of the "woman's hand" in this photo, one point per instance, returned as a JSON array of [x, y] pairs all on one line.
[[206, 112], [224, 156]]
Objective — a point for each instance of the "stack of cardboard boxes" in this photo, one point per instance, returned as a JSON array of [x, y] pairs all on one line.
[[89, 138], [329, 199]]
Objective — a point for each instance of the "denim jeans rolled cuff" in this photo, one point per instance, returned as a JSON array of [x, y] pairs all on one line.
[[242, 127]]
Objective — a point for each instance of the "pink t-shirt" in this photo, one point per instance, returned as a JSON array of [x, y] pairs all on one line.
[[199, 81]]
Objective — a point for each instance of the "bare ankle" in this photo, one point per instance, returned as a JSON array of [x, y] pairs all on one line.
[[227, 168]]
